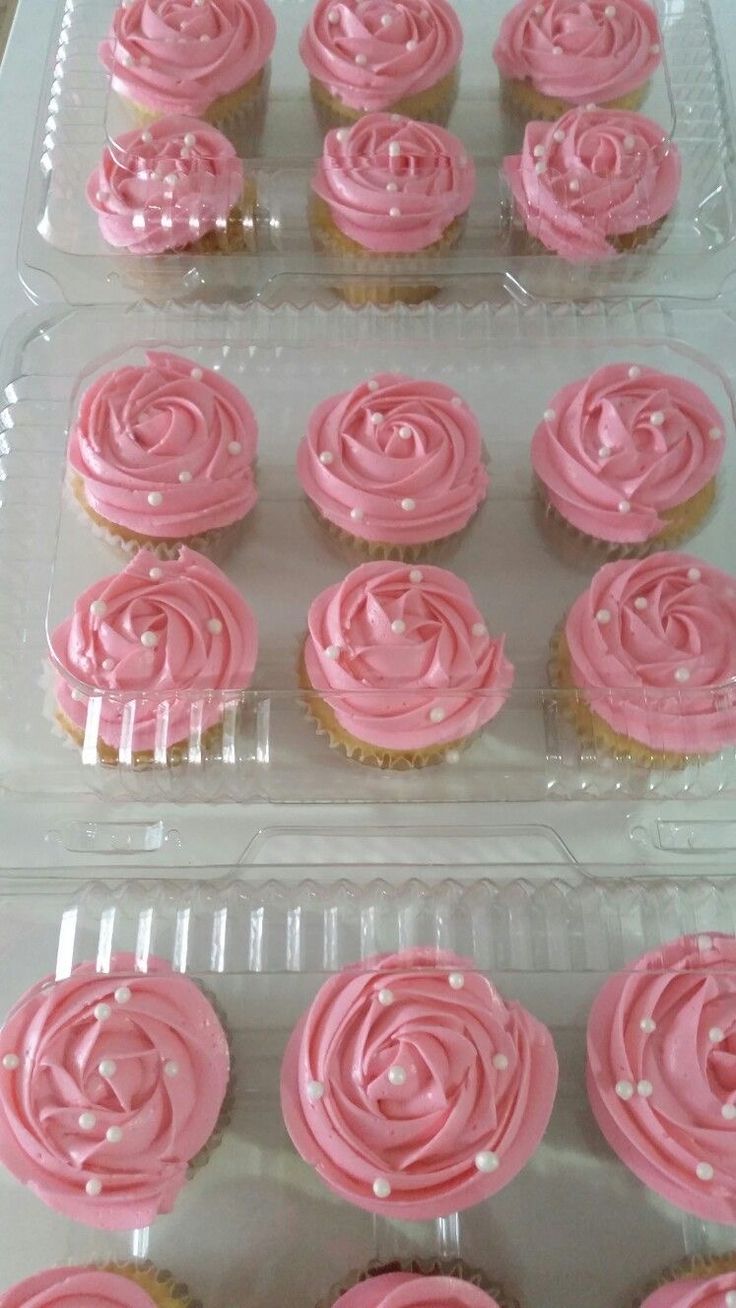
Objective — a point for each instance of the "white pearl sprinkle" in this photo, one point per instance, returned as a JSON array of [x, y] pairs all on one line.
[[326, 457], [624, 506], [655, 47], [103, 1012], [333, 16], [457, 401], [205, 37], [185, 475], [408, 505], [147, 137], [376, 419], [156, 574], [315, 1090], [397, 1075], [479, 629], [540, 167], [149, 639], [411, 45], [704, 1172], [610, 11], [190, 139], [214, 625], [682, 674], [556, 49], [332, 652], [385, 996], [108, 1067], [624, 1089], [486, 1161], [171, 1068], [456, 980], [574, 185], [648, 1025], [538, 151], [641, 602], [539, 10], [154, 499], [715, 433], [10, 1062], [404, 433], [437, 715], [123, 995], [361, 60], [398, 626], [394, 212], [629, 143], [197, 374], [657, 418], [549, 415], [342, 134], [558, 135], [114, 1134], [591, 106], [386, 20], [108, 665], [126, 58], [694, 574], [603, 616], [500, 1062], [381, 1188], [634, 372], [98, 608], [87, 1121], [394, 149], [234, 447], [730, 1300], [356, 515], [716, 1035], [93, 1188], [729, 1113], [415, 576], [604, 452], [372, 384], [645, 1089]]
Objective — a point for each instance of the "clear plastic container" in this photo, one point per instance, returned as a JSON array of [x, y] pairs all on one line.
[[574, 1228], [286, 361], [62, 252]]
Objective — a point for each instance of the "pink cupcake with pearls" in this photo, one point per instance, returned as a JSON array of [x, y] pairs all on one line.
[[394, 465]]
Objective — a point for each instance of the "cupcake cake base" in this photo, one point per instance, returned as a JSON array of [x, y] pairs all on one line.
[[431, 106], [525, 103], [454, 1267], [241, 114]]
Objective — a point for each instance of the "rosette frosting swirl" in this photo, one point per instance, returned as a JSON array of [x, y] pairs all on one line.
[[154, 634], [180, 56], [662, 1072], [652, 644], [617, 448], [695, 1292], [592, 175], [404, 657], [406, 454], [580, 50], [392, 184], [411, 1290], [413, 1088], [374, 53], [110, 1084], [163, 187], [165, 449], [76, 1287]]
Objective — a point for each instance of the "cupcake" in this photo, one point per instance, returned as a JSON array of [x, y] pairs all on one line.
[[111, 1084], [202, 58], [176, 187], [661, 1037], [700, 1283], [413, 1088], [627, 458], [163, 454], [372, 56], [385, 192], [412, 1290], [650, 648], [124, 1285], [394, 465], [592, 185], [402, 666], [561, 54], [150, 660]]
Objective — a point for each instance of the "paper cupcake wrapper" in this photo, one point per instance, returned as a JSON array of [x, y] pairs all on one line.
[[593, 731], [161, 1286], [696, 1268], [561, 280], [431, 106], [215, 544], [423, 1267], [575, 546], [524, 102]]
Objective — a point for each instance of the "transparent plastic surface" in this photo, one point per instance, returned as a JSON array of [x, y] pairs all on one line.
[[275, 1234], [61, 246], [286, 361]]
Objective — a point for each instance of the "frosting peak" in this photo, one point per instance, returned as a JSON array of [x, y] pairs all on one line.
[[374, 53], [392, 184], [580, 50], [412, 1290], [76, 1287], [590, 177]]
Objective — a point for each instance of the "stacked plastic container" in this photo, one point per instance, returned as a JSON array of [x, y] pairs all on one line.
[[264, 862]]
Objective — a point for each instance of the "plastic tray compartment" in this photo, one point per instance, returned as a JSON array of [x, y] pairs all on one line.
[[286, 361], [61, 249], [575, 1228]]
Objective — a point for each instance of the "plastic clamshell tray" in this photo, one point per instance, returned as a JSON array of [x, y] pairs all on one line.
[[61, 249], [286, 361]]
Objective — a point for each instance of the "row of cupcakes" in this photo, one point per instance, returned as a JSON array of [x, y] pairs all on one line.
[[161, 454], [210, 58]]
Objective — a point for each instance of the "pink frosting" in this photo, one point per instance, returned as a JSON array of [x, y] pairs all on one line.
[[373, 53], [162, 187], [206, 639], [580, 50], [663, 669], [404, 656], [662, 1070], [180, 56], [76, 1287], [137, 1054], [696, 1292], [617, 448], [172, 430], [409, 1290], [593, 174], [411, 1072], [392, 184], [392, 440]]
